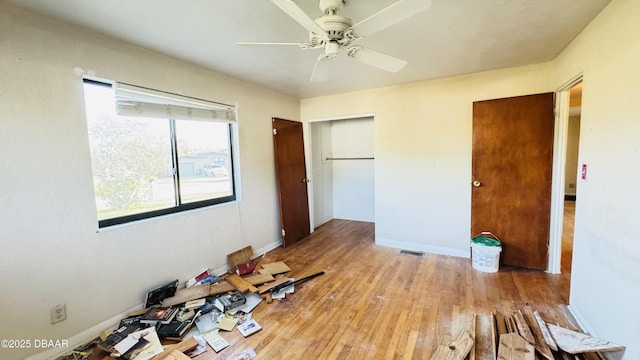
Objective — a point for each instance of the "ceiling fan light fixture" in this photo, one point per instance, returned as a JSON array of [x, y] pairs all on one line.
[[330, 7], [331, 48]]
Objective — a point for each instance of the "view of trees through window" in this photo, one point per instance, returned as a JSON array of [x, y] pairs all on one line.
[[133, 161]]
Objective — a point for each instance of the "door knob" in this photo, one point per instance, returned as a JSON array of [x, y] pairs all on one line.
[[476, 183]]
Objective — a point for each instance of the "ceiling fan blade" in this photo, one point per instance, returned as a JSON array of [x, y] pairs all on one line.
[[249, 43], [376, 58], [321, 70], [290, 7], [390, 15]]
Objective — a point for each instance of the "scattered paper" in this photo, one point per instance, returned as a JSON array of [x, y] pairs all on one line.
[[126, 344], [208, 321], [216, 341], [227, 323], [153, 348], [247, 354]]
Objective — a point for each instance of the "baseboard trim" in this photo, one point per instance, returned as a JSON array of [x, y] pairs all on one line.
[[423, 247], [91, 333], [265, 249], [582, 322]]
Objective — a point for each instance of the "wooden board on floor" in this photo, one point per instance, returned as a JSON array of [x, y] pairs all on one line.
[[455, 350], [574, 342], [175, 355], [223, 287], [545, 332], [540, 344], [514, 347], [278, 267], [461, 322], [267, 258], [239, 257], [187, 294], [268, 286], [501, 324], [485, 341], [523, 327], [512, 326], [241, 284], [259, 279]]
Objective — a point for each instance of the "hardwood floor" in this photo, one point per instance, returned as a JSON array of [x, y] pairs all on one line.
[[567, 236], [375, 303]]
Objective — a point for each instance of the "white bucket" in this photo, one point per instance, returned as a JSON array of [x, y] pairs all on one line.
[[485, 258]]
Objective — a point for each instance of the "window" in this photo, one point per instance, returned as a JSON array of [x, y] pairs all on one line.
[[154, 153]]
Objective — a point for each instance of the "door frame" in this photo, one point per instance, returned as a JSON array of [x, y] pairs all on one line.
[[306, 124], [560, 136]]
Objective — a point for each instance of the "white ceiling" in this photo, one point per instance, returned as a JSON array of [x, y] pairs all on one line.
[[453, 37]]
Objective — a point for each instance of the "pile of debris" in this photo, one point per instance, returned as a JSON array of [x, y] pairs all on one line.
[[520, 335], [213, 303]]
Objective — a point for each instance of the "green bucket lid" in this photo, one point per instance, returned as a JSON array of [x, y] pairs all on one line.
[[486, 241]]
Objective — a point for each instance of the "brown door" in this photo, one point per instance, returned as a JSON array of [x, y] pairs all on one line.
[[292, 180], [511, 169]]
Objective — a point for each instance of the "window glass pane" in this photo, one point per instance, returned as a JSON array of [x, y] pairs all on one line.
[[130, 156], [146, 167], [204, 160]]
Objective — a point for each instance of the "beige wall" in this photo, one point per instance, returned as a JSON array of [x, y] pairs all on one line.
[[423, 163], [422, 137], [51, 252], [605, 283]]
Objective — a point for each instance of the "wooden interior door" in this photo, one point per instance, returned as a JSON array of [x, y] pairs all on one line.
[[292, 180], [511, 169]]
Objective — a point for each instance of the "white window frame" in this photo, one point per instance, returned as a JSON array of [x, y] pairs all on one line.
[[131, 100]]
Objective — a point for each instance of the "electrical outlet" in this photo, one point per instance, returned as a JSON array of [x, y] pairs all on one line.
[[58, 313]]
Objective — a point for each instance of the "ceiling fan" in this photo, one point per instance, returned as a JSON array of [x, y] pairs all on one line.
[[334, 32]]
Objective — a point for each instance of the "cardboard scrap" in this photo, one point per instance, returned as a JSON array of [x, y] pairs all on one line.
[[181, 347], [241, 256], [514, 347]]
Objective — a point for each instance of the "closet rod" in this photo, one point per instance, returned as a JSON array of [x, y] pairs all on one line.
[[350, 158]]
